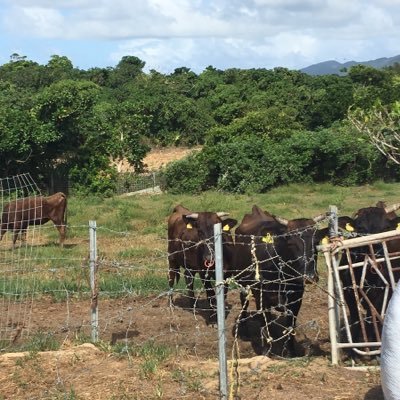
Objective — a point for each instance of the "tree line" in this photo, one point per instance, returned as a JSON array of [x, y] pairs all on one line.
[[259, 128]]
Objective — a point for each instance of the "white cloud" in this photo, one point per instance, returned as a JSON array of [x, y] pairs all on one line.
[[242, 33]]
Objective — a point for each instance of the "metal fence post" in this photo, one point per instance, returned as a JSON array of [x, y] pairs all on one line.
[[93, 281], [333, 310], [220, 294]]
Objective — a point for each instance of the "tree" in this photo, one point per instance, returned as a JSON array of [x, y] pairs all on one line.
[[123, 128], [59, 68], [23, 73], [126, 70], [21, 137], [381, 124]]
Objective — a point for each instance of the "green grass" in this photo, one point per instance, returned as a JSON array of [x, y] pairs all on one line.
[[131, 236], [40, 341], [152, 355]]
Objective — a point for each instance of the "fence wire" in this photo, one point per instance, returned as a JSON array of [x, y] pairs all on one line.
[[46, 301]]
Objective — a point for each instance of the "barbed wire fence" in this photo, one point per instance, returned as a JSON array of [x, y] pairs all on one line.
[[124, 300], [121, 297]]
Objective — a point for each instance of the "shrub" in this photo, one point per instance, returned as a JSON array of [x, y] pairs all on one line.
[[188, 175], [251, 165], [94, 175]]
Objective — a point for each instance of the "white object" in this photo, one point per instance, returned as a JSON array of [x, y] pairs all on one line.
[[390, 352]]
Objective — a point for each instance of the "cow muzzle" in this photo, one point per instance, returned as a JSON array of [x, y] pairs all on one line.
[[209, 263]]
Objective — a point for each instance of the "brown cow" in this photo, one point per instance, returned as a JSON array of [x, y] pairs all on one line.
[[18, 214], [366, 288], [191, 246], [274, 257]]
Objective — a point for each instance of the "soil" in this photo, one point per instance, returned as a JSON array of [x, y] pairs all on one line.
[[158, 158], [190, 371]]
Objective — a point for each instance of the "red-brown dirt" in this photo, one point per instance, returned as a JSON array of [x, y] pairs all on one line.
[[189, 372], [158, 158]]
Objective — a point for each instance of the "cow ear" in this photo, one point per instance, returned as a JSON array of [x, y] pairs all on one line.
[[322, 234], [349, 227], [325, 240], [228, 224], [267, 236], [346, 224], [189, 221]]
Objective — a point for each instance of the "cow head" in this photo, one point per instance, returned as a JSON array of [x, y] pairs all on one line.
[[378, 219], [203, 223], [302, 240]]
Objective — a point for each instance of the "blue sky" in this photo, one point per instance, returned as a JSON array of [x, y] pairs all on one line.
[[168, 34]]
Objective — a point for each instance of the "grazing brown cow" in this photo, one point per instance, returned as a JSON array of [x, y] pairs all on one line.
[[18, 214], [191, 246]]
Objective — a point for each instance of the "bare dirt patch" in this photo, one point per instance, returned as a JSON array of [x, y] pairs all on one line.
[[158, 158], [190, 371]]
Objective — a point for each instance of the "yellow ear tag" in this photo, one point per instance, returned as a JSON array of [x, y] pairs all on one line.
[[349, 228], [268, 238], [226, 228], [325, 240], [189, 226], [398, 227]]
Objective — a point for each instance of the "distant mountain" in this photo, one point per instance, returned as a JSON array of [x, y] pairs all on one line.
[[337, 68]]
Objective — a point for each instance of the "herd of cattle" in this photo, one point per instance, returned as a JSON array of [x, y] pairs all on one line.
[[269, 257], [272, 259]]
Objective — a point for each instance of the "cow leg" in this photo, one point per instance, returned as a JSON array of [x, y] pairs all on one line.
[[248, 329], [23, 234], [62, 230], [173, 276], [294, 301], [189, 279], [3, 230], [15, 237], [16, 231], [210, 292], [206, 276], [171, 280]]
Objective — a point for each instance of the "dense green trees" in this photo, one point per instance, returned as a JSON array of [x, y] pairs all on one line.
[[260, 128]]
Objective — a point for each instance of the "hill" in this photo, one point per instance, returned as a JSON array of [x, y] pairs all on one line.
[[337, 68]]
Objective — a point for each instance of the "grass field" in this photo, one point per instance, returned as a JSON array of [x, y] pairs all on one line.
[[156, 352], [131, 233]]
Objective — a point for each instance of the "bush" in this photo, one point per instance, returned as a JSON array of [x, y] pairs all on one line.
[[338, 155], [188, 175], [94, 176]]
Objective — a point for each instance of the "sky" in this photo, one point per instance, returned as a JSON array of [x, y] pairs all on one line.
[[168, 34]]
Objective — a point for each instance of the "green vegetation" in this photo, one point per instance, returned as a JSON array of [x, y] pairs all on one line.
[[132, 237], [260, 128], [40, 341], [151, 353]]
